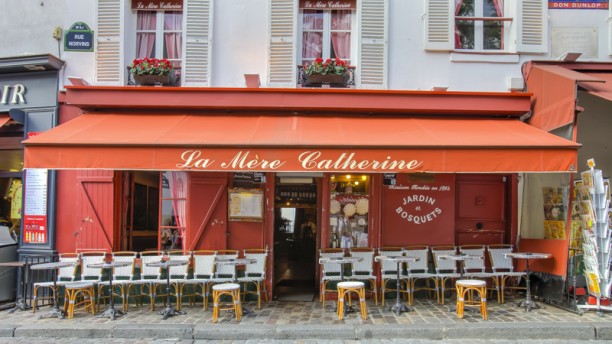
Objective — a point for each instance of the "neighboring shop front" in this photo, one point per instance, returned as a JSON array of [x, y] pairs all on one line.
[[293, 170]]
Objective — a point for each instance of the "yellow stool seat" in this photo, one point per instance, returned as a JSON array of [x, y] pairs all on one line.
[[72, 301], [233, 291], [345, 289], [465, 296]]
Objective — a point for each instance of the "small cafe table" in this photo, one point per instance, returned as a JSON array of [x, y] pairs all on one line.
[[55, 266], [21, 290], [236, 262], [399, 307], [461, 258], [111, 312], [529, 304], [342, 261], [166, 264]]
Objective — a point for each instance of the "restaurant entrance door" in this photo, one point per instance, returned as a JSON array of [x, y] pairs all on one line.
[[295, 232]]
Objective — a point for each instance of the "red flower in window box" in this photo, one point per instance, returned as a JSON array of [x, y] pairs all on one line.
[[150, 66]]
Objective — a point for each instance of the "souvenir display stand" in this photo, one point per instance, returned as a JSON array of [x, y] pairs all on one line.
[[593, 201]]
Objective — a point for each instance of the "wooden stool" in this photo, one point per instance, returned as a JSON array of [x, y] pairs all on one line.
[[345, 289], [73, 291], [232, 290], [468, 287]]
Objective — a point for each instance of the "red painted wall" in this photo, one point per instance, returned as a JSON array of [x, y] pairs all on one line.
[[419, 211]]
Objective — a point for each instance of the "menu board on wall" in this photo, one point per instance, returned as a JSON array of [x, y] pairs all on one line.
[[245, 205], [35, 207]]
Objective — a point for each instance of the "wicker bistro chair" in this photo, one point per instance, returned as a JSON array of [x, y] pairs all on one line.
[[364, 270], [446, 270], [123, 277], [64, 275], [419, 270], [388, 270], [255, 274], [475, 268], [225, 273], [203, 275], [150, 280], [503, 269], [178, 275], [330, 272]]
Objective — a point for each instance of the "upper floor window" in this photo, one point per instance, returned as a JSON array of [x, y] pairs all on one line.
[[326, 32], [159, 34], [479, 24]]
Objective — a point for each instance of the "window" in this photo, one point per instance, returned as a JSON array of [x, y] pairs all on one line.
[[349, 208], [479, 24], [173, 211], [326, 34], [159, 34]]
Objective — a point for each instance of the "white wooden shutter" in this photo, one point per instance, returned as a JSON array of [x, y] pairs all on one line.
[[281, 50], [532, 26], [439, 25], [373, 50], [108, 52], [197, 43]]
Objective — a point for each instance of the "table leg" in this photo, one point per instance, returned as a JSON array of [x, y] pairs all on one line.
[[111, 312], [169, 310], [399, 307], [529, 304], [55, 311]]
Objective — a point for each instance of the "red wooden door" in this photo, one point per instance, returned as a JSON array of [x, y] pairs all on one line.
[[482, 217], [94, 208], [207, 212]]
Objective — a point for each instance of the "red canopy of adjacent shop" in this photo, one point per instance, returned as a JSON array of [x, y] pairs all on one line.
[[311, 143]]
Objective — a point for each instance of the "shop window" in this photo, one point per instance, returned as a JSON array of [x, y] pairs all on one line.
[[479, 24], [173, 211], [326, 34], [159, 34], [349, 209]]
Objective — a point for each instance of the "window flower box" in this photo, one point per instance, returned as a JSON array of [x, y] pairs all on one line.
[[152, 72], [332, 72]]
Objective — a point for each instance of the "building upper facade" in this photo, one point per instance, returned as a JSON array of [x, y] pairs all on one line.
[[461, 45]]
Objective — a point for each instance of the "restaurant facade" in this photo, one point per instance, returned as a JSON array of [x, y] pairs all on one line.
[[291, 170]]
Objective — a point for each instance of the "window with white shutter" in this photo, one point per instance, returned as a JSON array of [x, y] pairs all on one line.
[[281, 49], [108, 51], [373, 51]]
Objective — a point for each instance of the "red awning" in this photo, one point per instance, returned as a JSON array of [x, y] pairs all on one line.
[[224, 142], [600, 89]]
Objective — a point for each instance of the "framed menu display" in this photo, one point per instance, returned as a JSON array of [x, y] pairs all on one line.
[[245, 204]]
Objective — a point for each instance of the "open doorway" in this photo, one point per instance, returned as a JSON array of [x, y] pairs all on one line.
[[295, 251], [141, 210]]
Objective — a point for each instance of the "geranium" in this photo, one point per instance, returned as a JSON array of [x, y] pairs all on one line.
[[151, 66], [330, 66]]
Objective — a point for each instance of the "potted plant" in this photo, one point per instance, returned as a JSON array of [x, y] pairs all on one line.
[[331, 71], [152, 71]]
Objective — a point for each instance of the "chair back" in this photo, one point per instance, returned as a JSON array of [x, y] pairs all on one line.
[[204, 263], [226, 270], [444, 265], [473, 265], [68, 273], [366, 265], [150, 272], [179, 271], [124, 272], [258, 268], [421, 265], [499, 261], [92, 257], [328, 269], [387, 267]]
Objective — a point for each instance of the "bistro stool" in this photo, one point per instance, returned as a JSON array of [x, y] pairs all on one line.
[[345, 289], [469, 287], [71, 299], [233, 291]]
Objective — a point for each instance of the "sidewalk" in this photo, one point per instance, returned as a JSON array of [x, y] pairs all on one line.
[[298, 320]]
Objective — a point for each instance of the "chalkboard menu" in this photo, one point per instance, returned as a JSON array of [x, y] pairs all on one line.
[[248, 179]]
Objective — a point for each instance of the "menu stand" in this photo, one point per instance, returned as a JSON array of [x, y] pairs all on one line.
[[55, 266], [166, 264], [528, 303], [399, 307], [111, 312]]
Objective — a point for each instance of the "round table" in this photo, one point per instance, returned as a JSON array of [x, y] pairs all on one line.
[[166, 264], [236, 262], [342, 261], [21, 290], [461, 258], [399, 307], [111, 312], [55, 266], [527, 256]]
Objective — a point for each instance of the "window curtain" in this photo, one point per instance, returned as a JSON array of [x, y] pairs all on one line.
[[312, 41], [145, 41], [173, 21], [177, 182], [341, 41], [458, 44]]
